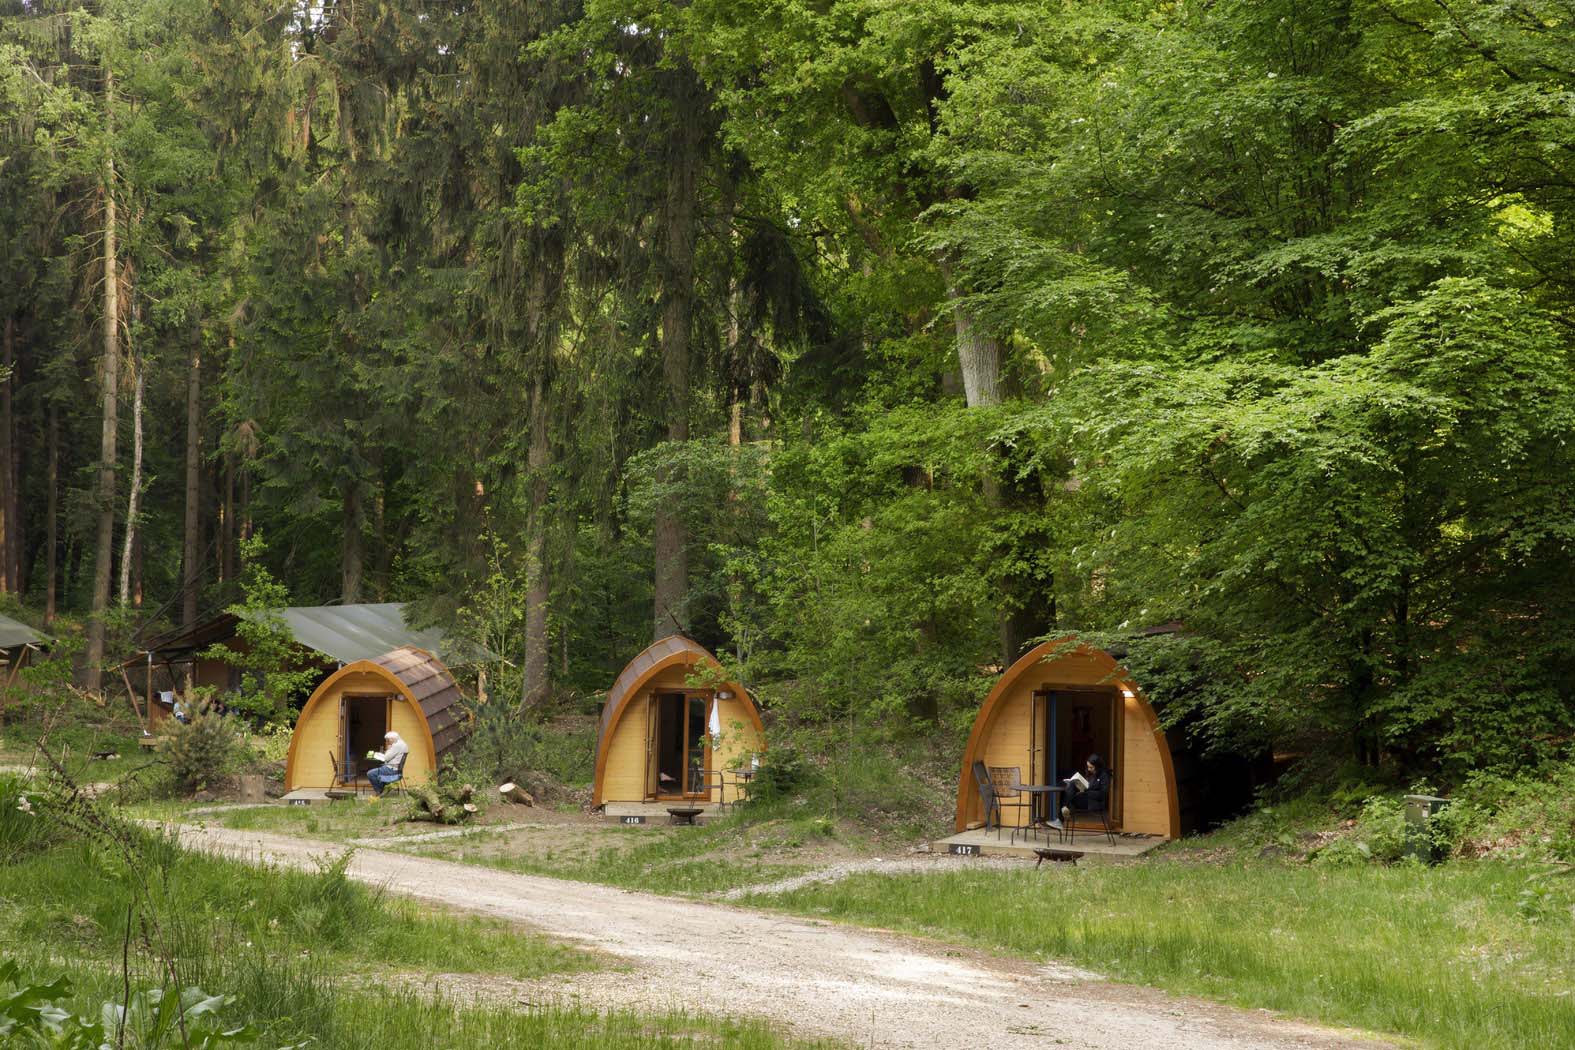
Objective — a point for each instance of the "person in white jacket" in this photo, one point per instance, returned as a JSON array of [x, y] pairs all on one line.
[[393, 757]]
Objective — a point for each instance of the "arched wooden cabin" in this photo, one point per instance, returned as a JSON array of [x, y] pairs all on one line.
[[1055, 706], [407, 690], [656, 741]]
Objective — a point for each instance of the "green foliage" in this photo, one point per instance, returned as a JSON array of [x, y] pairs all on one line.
[[203, 751], [265, 649], [476, 298], [504, 745], [153, 1019]]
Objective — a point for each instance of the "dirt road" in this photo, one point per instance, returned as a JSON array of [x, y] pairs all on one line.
[[869, 988]]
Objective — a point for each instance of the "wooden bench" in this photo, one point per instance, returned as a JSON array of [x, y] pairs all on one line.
[[684, 814]]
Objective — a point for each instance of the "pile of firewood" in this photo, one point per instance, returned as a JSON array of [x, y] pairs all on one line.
[[442, 805]]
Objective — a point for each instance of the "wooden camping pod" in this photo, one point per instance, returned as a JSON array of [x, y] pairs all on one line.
[[1049, 685], [407, 690], [629, 732]]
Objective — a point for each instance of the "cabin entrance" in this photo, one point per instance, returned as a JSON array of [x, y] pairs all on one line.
[[677, 752], [1068, 725], [363, 720]]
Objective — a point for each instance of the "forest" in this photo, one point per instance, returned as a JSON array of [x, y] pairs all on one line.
[[866, 342]]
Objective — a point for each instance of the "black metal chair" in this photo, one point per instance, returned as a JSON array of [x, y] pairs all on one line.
[[345, 772], [988, 803], [1103, 812], [1008, 783]]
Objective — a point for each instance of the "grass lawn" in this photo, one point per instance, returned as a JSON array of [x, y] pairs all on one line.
[[1465, 955], [73, 897], [724, 854], [308, 957], [74, 745]]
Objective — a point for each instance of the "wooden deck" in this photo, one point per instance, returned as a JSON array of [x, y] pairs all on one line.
[[637, 813], [1092, 844]]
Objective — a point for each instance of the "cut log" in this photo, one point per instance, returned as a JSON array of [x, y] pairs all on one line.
[[469, 808], [512, 792]]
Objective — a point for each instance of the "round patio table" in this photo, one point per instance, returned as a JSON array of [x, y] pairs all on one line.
[[1038, 794]]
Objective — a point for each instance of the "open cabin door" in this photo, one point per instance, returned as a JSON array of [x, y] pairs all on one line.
[[342, 752], [1066, 725], [650, 747], [677, 746]]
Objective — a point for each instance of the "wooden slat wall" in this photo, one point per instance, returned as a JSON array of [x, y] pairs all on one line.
[[317, 734], [739, 739], [1140, 772], [623, 778], [1141, 775]]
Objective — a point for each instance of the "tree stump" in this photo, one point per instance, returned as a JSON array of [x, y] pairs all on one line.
[[512, 792]]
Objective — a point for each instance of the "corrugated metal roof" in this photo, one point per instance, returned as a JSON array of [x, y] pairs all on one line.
[[357, 632], [13, 634]]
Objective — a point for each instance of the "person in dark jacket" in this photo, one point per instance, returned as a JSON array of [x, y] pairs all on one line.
[[1092, 797]]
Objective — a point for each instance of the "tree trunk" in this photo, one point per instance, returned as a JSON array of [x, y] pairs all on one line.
[[8, 479], [979, 362], [52, 518], [670, 536], [130, 542], [978, 357], [353, 551], [227, 530], [538, 580], [191, 538], [104, 547]]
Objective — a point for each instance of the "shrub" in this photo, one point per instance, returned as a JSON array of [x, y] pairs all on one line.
[[1379, 836], [202, 750], [272, 742], [783, 774]]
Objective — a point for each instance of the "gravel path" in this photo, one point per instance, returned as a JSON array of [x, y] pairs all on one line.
[[868, 987]]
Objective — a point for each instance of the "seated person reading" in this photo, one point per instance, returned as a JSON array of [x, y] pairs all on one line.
[[392, 758], [1087, 791]]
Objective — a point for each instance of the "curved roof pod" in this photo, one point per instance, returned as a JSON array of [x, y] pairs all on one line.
[[411, 674], [1144, 770], [664, 655]]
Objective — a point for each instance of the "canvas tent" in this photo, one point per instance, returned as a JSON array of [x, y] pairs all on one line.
[[674, 730], [407, 690]]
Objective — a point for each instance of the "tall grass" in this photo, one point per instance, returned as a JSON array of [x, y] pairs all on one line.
[[309, 957], [77, 893], [1459, 956], [295, 1002]]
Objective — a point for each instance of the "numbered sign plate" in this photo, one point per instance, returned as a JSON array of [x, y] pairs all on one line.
[[631, 819], [300, 802], [964, 849]]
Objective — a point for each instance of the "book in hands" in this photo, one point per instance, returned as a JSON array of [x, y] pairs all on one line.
[[1078, 781]]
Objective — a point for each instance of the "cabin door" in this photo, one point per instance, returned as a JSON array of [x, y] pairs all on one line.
[[678, 746], [1070, 725], [365, 720]]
